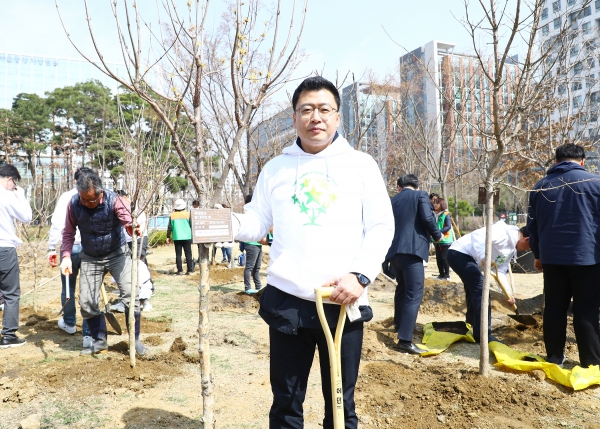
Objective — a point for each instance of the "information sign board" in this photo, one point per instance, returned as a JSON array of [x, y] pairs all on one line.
[[211, 225]]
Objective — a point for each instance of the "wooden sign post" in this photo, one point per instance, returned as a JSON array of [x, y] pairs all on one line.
[[482, 196], [211, 226]]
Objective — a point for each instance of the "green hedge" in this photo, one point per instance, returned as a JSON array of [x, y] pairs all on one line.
[[157, 238]]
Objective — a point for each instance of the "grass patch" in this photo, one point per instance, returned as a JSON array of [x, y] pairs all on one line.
[[72, 414], [220, 362]]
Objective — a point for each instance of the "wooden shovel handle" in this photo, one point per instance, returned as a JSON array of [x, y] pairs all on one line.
[[504, 291], [104, 297], [335, 358]]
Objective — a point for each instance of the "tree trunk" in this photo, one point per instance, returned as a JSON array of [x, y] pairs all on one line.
[[131, 318], [484, 361], [208, 399]]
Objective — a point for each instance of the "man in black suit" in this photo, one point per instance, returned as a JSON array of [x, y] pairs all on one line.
[[415, 225]]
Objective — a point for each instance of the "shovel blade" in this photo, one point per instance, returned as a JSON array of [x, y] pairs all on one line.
[[525, 319], [112, 320]]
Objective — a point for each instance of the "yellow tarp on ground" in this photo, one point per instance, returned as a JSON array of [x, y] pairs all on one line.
[[436, 342], [578, 378]]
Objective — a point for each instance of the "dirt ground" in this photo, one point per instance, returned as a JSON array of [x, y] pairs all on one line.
[[47, 379]]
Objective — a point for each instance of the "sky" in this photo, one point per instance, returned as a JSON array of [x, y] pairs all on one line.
[[340, 37]]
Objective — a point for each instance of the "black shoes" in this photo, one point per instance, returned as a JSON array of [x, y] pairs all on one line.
[[7, 342], [409, 348], [179, 273], [557, 360]]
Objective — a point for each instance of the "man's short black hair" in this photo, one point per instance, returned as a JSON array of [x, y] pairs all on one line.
[[433, 195], [81, 170], [248, 198], [122, 192], [523, 230], [195, 203], [9, 170], [408, 180], [316, 83], [89, 180], [569, 152]]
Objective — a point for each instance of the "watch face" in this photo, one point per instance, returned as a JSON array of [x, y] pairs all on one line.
[[362, 279]]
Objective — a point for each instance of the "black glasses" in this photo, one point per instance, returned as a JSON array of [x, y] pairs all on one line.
[[325, 111], [15, 182]]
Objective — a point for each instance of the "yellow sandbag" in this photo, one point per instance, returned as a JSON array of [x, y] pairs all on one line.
[[578, 378], [435, 342]]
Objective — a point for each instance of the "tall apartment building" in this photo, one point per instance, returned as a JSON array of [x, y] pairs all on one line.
[[369, 118], [569, 36], [446, 92]]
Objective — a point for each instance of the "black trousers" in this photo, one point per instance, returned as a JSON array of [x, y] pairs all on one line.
[[467, 269], [441, 251], [410, 276], [186, 246], [291, 359], [582, 283]]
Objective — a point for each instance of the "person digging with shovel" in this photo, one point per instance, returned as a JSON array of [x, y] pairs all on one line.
[[465, 257], [100, 215]]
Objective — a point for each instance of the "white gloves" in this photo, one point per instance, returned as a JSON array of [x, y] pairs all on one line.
[[353, 312], [66, 267]]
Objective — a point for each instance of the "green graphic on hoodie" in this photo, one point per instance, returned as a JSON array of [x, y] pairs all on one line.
[[314, 194]]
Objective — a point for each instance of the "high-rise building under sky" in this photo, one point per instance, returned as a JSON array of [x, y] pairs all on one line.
[[35, 74]]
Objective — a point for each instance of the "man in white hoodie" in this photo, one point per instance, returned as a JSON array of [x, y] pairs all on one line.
[[334, 225], [13, 205], [466, 256]]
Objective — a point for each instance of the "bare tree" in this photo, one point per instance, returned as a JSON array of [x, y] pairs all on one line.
[[249, 65], [169, 77], [146, 160], [163, 79]]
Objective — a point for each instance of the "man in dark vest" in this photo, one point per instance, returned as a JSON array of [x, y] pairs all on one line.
[[100, 215]]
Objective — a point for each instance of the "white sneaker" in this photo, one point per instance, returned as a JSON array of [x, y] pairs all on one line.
[[87, 342], [119, 307], [147, 306], [68, 329]]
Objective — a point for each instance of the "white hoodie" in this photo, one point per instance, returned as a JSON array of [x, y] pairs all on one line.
[[504, 242], [331, 216]]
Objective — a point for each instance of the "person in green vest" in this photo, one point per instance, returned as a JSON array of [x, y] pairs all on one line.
[[180, 228], [444, 224]]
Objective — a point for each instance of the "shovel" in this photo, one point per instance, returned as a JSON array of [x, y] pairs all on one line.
[[335, 359], [68, 294], [108, 314], [525, 319]]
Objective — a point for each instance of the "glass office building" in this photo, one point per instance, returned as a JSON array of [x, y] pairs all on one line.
[[38, 74]]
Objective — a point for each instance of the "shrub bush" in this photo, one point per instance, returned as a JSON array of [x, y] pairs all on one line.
[[157, 238]]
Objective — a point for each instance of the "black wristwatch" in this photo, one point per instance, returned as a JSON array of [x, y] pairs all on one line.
[[362, 279]]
